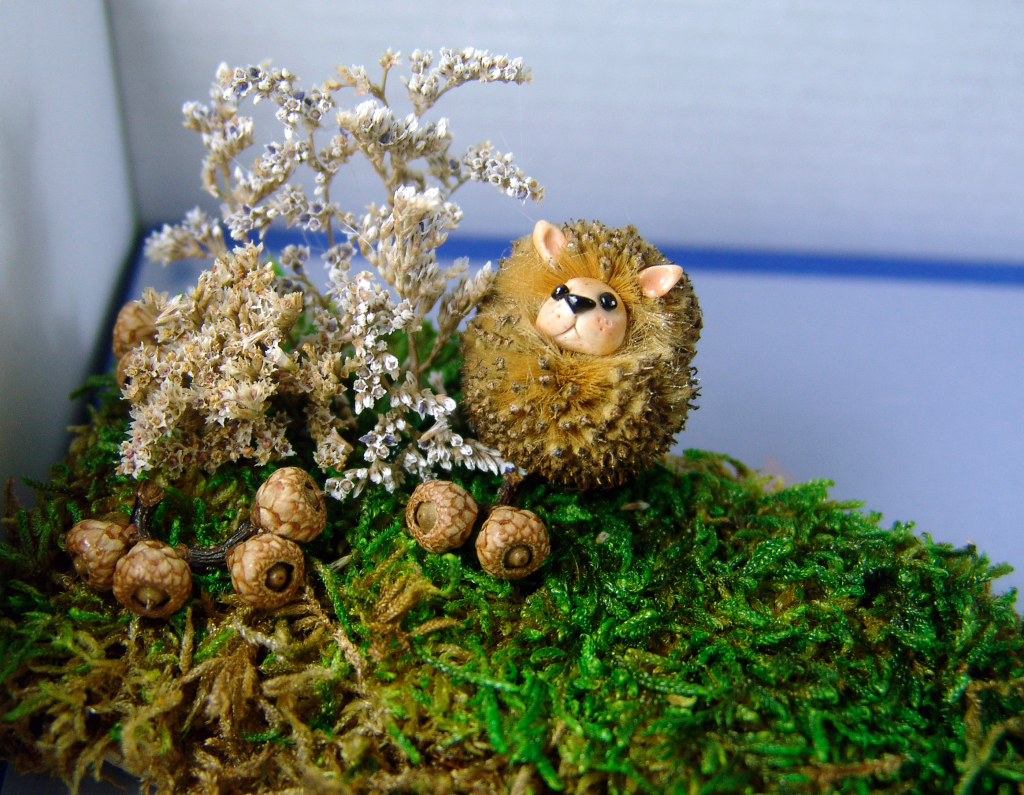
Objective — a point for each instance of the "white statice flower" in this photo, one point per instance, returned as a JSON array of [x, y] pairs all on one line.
[[198, 236], [406, 239], [454, 68], [230, 138], [375, 129], [439, 446], [459, 301], [372, 315], [224, 143], [246, 219], [389, 59], [269, 171], [350, 484], [326, 426], [338, 260], [377, 132], [261, 82], [484, 163], [384, 438], [294, 258], [422, 401], [355, 77], [291, 204]]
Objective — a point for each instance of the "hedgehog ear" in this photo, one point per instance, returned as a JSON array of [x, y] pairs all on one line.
[[657, 280], [549, 241]]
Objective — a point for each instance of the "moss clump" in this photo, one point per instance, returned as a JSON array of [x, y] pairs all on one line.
[[696, 631]]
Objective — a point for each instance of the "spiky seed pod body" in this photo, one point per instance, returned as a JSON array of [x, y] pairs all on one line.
[[267, 570], [152, 579], [97, 546], [134, 325], [290, 504], [440, 515], [512, 543], [578, 419]]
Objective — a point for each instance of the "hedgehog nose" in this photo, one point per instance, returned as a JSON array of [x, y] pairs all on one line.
[[579, 303]]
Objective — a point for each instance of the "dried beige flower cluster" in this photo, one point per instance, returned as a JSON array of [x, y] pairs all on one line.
[[200, 393], [206, 390]]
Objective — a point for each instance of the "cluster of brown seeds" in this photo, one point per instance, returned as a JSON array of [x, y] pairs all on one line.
[[266, 570], [154, 579], [511, 544]]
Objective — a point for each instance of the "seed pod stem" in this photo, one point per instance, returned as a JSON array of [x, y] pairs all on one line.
[[511, 482], [147, 496], [216, 555]]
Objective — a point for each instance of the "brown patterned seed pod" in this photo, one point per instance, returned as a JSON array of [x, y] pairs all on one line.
[[96, 546], [266, 570], [440, 515], [133, 326], [512, 543], [290, 504], [152, 579]]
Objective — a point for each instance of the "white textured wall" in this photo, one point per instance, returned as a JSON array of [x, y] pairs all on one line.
[[66, 216], [885, 126]]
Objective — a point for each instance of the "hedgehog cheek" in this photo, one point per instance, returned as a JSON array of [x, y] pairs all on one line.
[[598, 333], [554, 319]]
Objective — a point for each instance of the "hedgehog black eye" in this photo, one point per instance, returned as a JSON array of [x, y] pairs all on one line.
[[608, 302], [560, 292]]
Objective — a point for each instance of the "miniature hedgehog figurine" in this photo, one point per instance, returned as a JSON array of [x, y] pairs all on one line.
[[577, 365], [576, 368]]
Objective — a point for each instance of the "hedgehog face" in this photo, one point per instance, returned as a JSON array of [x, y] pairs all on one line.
[[584, 315]]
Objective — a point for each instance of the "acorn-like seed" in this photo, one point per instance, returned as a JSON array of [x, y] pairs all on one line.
[[290, 504], [152, 579], [96, 546], [512, 543], [440, 515], [134, 325], [121, 373], [267, 570]]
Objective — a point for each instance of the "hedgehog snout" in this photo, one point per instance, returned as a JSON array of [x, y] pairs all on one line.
[[568, 319], [579, 303], [576, 303]]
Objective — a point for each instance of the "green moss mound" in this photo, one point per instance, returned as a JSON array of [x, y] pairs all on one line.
[[698, 631]]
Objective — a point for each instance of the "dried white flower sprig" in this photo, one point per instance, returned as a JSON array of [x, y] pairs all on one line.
[[233, 371]]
